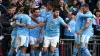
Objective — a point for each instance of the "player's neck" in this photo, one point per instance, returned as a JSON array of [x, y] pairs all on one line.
[[54, 17]]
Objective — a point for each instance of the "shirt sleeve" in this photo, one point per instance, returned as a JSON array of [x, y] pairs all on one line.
[[86, 15], [62, 21]]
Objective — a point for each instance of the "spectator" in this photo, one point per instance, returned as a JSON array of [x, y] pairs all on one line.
[[97, 17], [71, 22], [81, 2], [2, 8], [70, 35], [63, 15], [98, 6], [74, 5]]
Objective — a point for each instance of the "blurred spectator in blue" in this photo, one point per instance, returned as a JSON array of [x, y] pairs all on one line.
[[71, 22], [74, 5]]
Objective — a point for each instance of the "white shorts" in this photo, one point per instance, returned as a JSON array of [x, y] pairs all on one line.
[[33, 41], [85, 39], [50, 41], [13, 41], [77, 38], [22, 41]]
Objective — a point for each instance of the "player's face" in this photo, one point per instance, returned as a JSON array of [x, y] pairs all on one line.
[[37, 12], [81, 9], [11, 11], [85, 9], [56, 13]]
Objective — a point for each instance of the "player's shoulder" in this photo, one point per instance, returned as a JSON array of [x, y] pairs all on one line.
[[48, 16], [60, 18]]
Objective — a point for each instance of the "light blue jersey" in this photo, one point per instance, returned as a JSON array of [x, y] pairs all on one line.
[[52, 26], [14, 31], [44, 13], [89, 30], [79, 20], [23, 19], [71, 24], [35, 31]]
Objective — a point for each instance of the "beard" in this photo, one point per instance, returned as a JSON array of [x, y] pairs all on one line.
[[55, 16]]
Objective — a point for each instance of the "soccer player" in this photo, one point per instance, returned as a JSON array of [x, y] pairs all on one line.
[[47, 11], [22, 38], [52, 31], [35, 35], [86, 31], [14, 33], [79, 21]]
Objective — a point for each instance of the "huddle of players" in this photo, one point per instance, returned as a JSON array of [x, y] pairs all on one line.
[[45, 28]]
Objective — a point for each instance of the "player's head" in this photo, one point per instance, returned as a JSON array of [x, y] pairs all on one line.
[[70, 15], [80, 8], [50, 5], [37, 11], [56, 12], [26, 10], [10, 10], [85, 8]]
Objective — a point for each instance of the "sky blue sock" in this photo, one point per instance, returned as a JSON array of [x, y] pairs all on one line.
[[45, 53], [75, 51], [23, 54], [56, 52], [10, 53], [85, 51], [37, 52], [51, 54], [32, 53], [18, 53]]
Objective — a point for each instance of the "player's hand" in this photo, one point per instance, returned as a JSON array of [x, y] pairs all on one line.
[[69, 29], [41, 24], [79, 32], [17, 23], [23, 25]]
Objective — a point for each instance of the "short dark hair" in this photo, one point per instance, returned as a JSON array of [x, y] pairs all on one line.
[[51, 3], [34, 9], [85, 5], [80, 6], [9, 7], [55, 9], [26, 10]]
